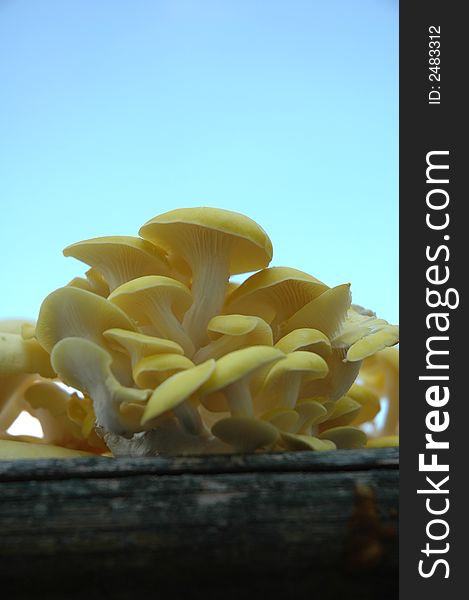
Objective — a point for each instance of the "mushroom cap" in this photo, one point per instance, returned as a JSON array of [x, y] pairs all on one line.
[[144, 345], [326, 312], [151, 371], [238, 364], [73, 312], [276, 291], [245, 434], [306, 364], [86, 366], [310, 412], [337, 382], [387, 335], [368, 400], [305, 338], [345, 411], [177, 389], [283, 419], [12, 450], [20, 356], [238, 325], [185, 230], [232, 332], [300, 442], [345, 437], [130, 296], [120, 258]]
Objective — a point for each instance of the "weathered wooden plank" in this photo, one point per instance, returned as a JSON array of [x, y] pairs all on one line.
[[285, 525]]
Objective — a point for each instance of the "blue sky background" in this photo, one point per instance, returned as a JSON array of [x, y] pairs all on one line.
[[114, 111]]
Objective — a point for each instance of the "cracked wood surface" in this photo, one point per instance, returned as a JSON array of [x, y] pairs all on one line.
[[284, 524]]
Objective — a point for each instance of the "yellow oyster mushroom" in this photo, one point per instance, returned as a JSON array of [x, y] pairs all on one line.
[[283, 419], [20, 356], [50, 404], [85, 366], [305, 338], [345, 437], [174, 395], [233, 332], [215, 243], [92, 282], [368, 400], [274, 294], [13, 450], [246, 434], [344, 412], [12, 402], [120, 258], [311, 412], [151, 371], [73, 312], [385, 441], [380, 373], [282, 384], [300, 442], [337, 382], [14, 325], [362, 334], [327, 312], [233, 374], [139, 345], [156, 303]]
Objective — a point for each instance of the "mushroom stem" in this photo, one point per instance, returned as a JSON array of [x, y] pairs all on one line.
[[189, 418], [216, 349], [291, 391], [239, 398], [167, 326], [209, 283]]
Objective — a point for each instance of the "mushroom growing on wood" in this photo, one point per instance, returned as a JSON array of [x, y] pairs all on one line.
[[120, 258], [215, 243], [156, 303]]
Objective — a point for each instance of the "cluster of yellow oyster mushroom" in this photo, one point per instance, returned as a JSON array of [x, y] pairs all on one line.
[[167, 356]]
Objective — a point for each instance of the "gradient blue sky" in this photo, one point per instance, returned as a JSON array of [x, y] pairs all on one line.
[[114, 111]]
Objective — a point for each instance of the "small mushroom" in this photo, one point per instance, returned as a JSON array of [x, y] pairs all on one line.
[[300, 442], [20, 356], [245, 434], [274, 294], [174, 395], [73, 312], [120, 258], [345, 437], [151, 371], [283, 382], [283, 419], [311, 412], [233, 374], [215, 243], [337, 382], [84, 365], [345, 411], [233, 332], [156, 303], [368, 400], [305, 338], [139, 345]]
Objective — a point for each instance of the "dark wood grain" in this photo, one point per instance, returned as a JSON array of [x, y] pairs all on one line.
[[284, 525]]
